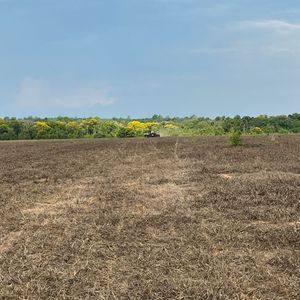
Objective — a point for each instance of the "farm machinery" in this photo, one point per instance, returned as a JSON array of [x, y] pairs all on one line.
[[151, 134]]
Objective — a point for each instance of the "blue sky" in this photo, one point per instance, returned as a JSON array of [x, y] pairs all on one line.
[[141, 57]]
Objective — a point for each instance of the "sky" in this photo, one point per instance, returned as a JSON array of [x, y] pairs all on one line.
[[119, 58]]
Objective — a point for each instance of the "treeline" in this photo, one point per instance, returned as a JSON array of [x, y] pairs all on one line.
[[69, 128]]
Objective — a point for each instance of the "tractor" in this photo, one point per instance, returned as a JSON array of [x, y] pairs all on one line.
[[151, 134]]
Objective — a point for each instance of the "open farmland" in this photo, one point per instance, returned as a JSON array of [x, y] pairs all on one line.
[[186, 218]]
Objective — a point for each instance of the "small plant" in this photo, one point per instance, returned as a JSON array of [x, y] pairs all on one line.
[[235, 138], [274, 139]]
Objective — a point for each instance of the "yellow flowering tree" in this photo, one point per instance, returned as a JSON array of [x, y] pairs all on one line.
[[138, 128], [136, 125], [151, 125], [73, 129], [256, 130], [90, 124], [41, 126], [42, 129], [170, 126]]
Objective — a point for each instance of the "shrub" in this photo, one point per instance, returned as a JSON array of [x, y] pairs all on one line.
[[170, 126], [42, 130], [235, 138], [283, 131], [124, 132], [107, 129], [136, 125], [256, 130]]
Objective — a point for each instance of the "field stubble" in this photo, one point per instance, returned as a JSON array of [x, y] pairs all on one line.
[[170, 218]]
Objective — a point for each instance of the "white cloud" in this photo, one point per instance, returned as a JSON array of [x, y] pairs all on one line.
[[40, 93], [276, 25], [269, 37]]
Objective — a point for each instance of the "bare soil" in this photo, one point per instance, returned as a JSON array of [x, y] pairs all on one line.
[[168, 218]]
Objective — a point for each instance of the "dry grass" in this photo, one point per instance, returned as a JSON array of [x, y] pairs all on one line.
[[170, 218]]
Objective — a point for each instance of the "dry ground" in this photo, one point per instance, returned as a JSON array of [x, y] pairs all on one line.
[[187, 218]]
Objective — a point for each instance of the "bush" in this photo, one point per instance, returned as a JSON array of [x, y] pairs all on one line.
[[124, 132], [256, 130], [236, 138], [107, 129], [283, 131]]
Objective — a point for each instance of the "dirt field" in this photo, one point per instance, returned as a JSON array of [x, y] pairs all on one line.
[[187, 218]]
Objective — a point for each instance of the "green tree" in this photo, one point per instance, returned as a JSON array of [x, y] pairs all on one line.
[[107, 129]]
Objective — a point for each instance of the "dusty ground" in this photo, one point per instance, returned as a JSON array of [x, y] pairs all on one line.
[[187, 218]]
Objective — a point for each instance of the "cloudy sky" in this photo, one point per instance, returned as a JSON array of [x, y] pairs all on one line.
[[141, 57]]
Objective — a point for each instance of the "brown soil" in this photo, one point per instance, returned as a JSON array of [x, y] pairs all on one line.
[[168, 218]]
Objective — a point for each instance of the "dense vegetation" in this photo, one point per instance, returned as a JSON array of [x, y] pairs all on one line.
[[64, 127]]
